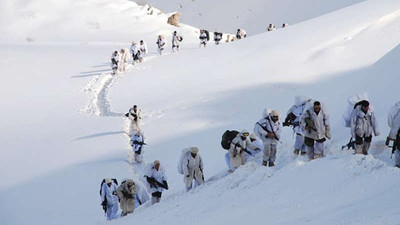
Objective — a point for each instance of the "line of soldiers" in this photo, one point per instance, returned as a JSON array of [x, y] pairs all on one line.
[[310, 122], [120, 59], [205, 36], [138, 51]]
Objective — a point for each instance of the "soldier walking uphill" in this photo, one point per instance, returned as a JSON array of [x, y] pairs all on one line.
[[268, 130], [136, 53], [217, 37], [316, 128], [108, 193], [157, 181], [126, 193], [293, 119], [137, 143], [394, 134], [134, 115], [363, 123], [115, 58], [176, 39], [204, 37], [192, 168], [161, 44]]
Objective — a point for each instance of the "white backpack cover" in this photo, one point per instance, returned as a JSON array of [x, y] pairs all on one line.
[[300, 100], [393, 113], [352, 101], [183, 154]]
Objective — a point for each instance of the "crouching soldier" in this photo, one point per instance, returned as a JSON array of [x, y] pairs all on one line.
[[157, 180], [237, 150], [363, 123], [126, 193], [192, 166], [316, 128]]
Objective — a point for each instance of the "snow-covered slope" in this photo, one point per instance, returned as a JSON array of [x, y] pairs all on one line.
[[251, 15], [55, 151]]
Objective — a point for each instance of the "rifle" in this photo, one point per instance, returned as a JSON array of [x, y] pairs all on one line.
[[139, 142], [243, 149], [104, 204], [266, 129], [114, 61], [310, 122], [294, 124], [350, 144], [395, 143], [153, 182]]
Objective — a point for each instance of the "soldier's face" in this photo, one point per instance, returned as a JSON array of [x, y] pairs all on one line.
[[157, 166], [364, 108], [275, 118], [317, 108]]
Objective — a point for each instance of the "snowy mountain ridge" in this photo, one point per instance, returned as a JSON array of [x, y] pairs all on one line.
[[253, 15]]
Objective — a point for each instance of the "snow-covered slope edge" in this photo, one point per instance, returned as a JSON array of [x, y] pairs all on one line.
[[334, 190]]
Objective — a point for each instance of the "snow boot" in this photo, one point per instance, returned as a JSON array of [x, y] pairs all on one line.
[[317, 156], [271, 164], [296, 151], [264, 163]]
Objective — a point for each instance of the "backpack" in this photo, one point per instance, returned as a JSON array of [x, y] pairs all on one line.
[[104, 180], [227, 138], [353, 102], [208, 35], [180, 163]]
